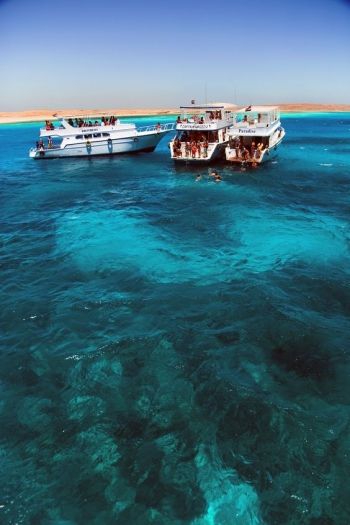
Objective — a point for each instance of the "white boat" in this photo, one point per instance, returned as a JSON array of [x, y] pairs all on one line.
[[201, 132], [75, 137], [255, 135]]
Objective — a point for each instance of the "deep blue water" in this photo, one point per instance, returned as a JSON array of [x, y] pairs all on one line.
[[173, 351]]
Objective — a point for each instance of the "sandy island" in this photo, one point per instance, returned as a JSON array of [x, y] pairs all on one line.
[[39, 115]]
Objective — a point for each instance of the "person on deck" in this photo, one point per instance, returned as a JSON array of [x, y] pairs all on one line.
[[205, 148], [193, 149], [252, 150]]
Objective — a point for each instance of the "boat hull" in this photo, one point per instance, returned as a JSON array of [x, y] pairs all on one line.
[[138, 143]]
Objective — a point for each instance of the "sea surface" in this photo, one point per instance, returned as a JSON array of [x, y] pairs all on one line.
[[176, 351]]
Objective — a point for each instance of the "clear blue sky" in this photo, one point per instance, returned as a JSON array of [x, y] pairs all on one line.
[[84, 53]]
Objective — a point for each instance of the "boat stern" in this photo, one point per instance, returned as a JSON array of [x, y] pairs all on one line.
[[33, 153]]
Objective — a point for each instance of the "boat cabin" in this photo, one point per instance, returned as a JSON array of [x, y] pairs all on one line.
[[253, 118], [205, 117]]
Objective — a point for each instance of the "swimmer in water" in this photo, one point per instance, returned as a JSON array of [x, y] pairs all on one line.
[[198, 178], [218, 178], [214, 173]]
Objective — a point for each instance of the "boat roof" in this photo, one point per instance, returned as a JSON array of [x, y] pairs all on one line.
[[257, 109], [214, 105]]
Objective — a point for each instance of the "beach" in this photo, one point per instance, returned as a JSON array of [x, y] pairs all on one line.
[[39, 115]]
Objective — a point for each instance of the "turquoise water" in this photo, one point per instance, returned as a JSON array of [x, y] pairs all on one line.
[[173, 351]]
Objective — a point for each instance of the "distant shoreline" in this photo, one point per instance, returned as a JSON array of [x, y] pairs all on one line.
[[40, 115]]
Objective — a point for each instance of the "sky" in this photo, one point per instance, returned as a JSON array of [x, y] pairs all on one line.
[[113, 53]]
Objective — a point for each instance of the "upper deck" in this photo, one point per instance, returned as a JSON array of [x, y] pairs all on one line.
[[255, 120], [68, 126], [205, 117]]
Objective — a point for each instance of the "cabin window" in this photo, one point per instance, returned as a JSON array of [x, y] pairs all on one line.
[[105, 134], [96, 135], [88, 136], [78, 136]]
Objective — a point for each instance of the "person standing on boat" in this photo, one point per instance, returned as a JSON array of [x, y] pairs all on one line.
[[199, 148], [193, 149], [252, 150], [205, 148], [237, 146]]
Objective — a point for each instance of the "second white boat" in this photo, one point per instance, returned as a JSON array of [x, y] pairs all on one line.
[[201, 132], [255, 135]]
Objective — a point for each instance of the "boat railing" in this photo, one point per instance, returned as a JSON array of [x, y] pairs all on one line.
[[168, 126]]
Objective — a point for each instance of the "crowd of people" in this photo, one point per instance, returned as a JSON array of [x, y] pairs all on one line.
[[192, 148], [248, 153], [105, 121], [193, 144]]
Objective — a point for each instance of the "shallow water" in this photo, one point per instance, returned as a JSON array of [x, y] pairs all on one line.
[[173, 351]]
